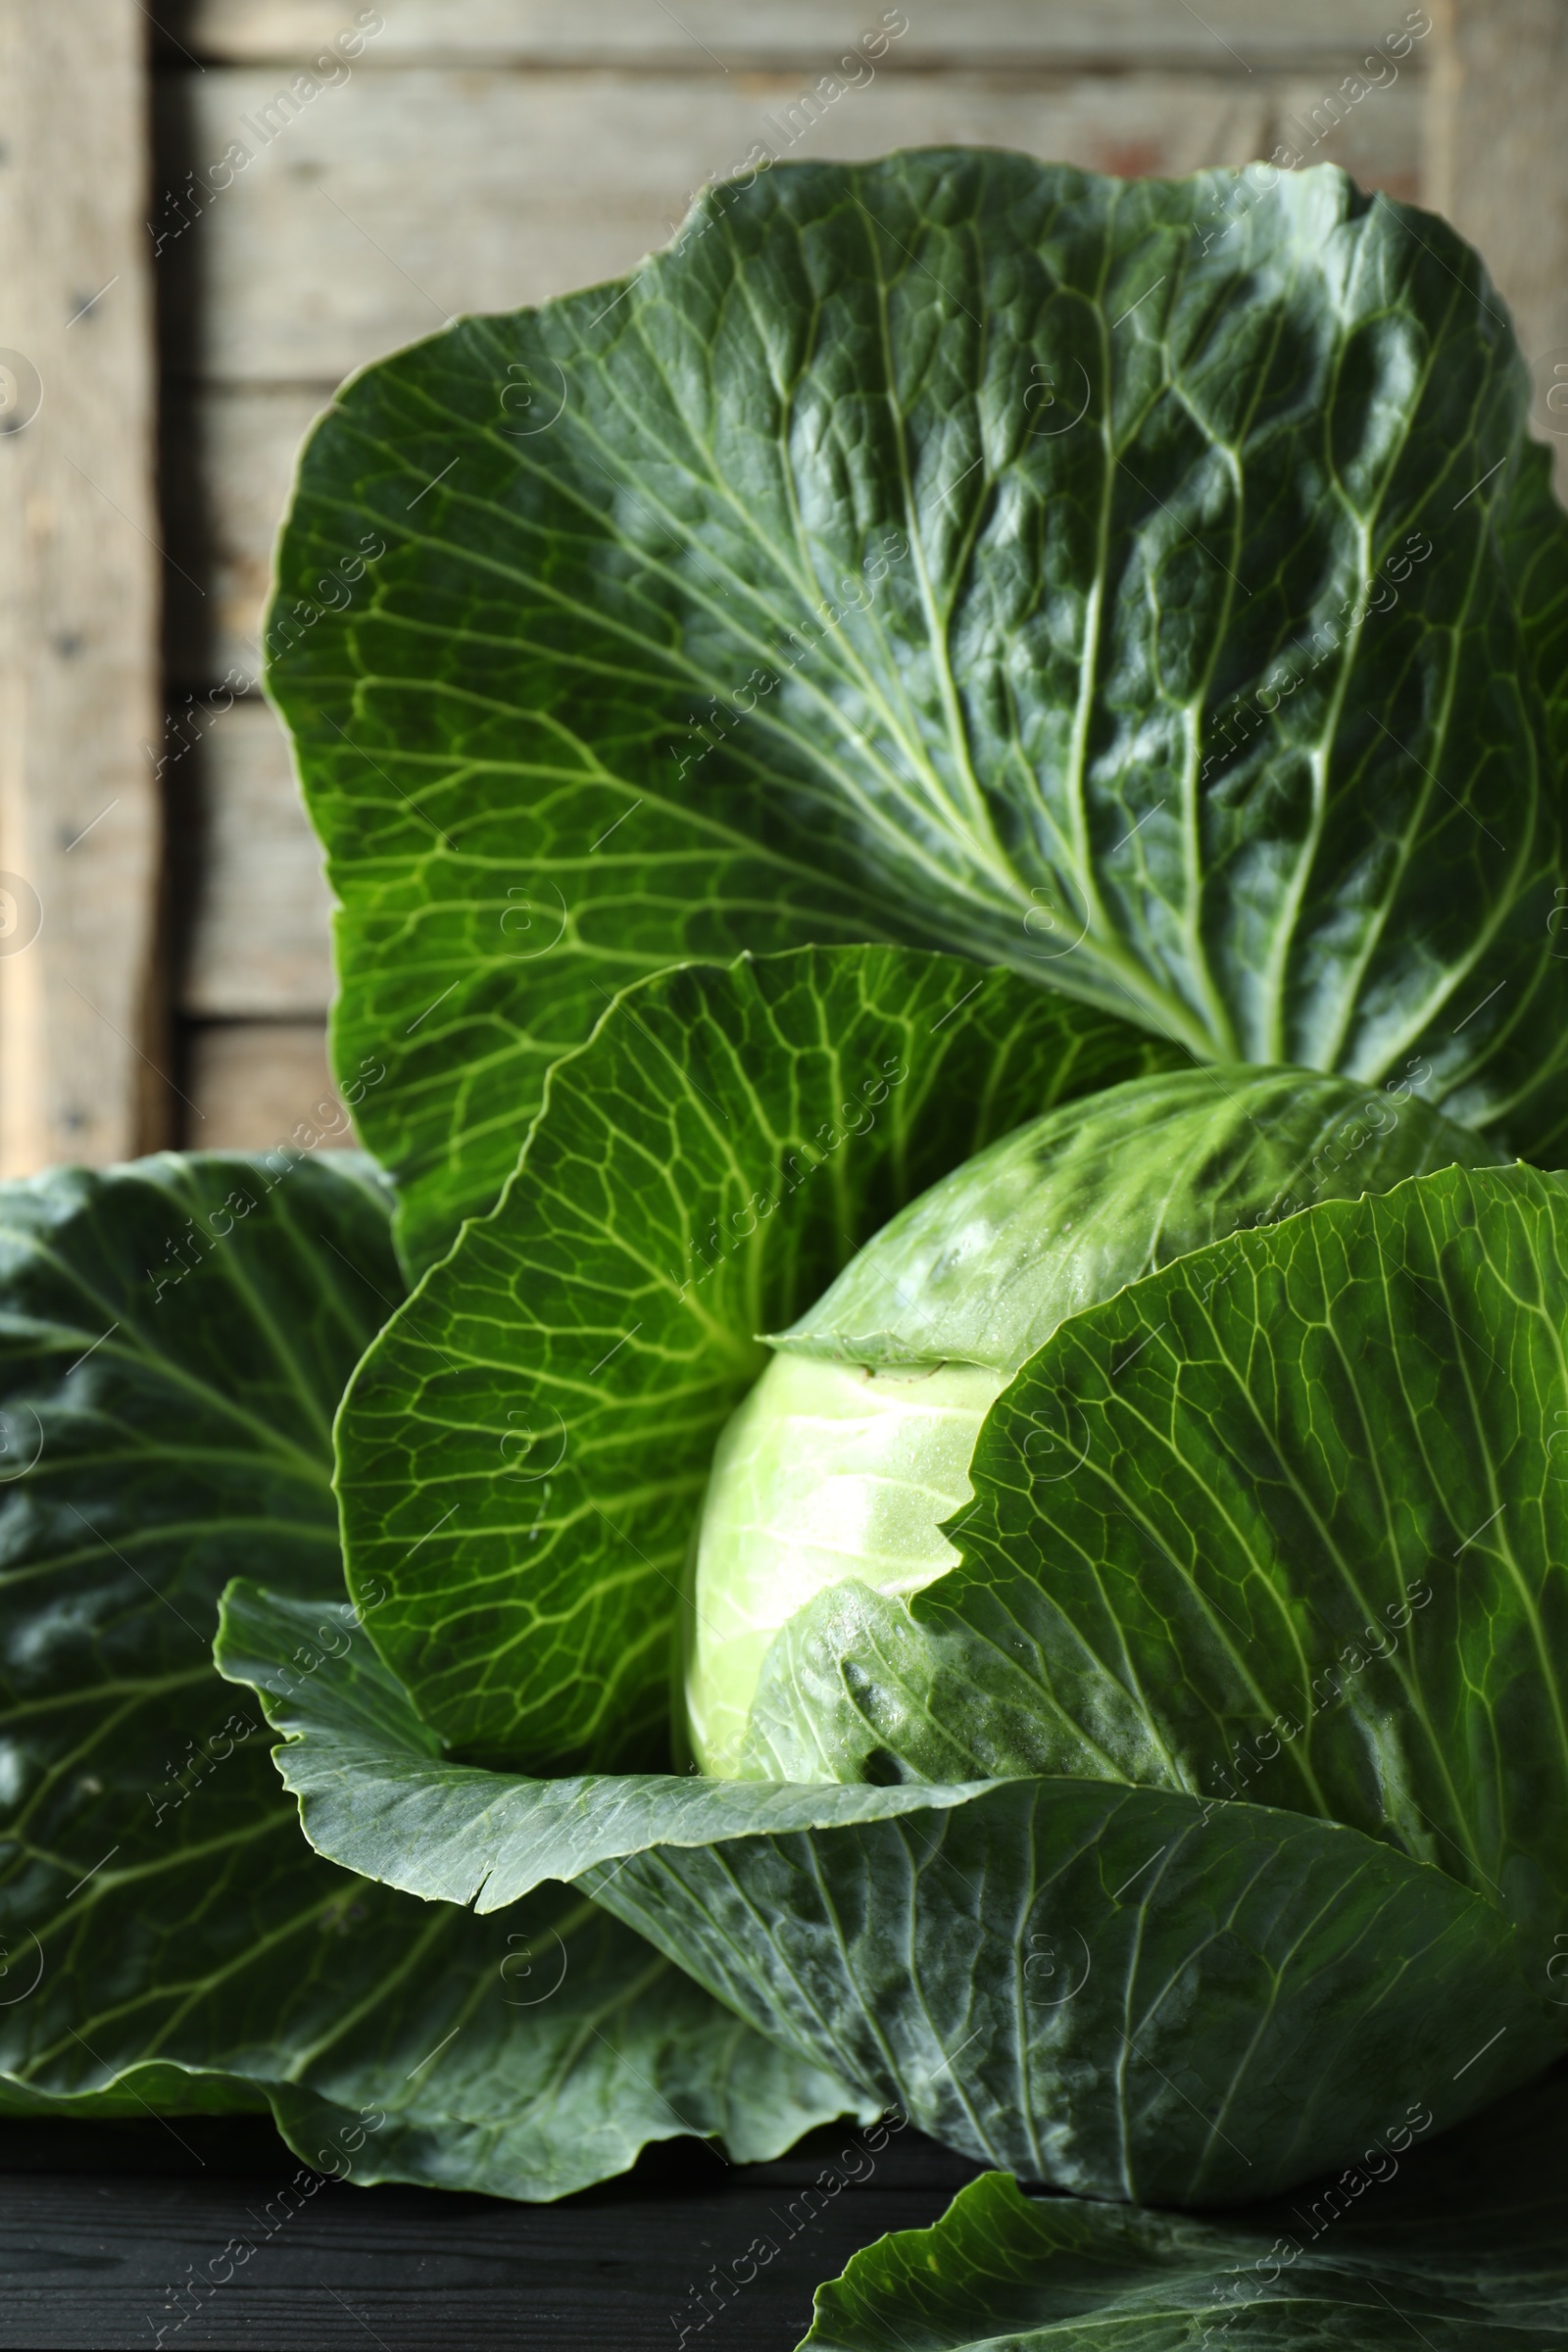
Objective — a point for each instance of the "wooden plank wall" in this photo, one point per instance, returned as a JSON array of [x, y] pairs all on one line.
[[80, 1015], [478, 153], [1497, 164]]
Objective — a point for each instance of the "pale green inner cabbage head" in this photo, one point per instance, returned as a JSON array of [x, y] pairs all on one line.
[[826, 1471], [854, 1447]]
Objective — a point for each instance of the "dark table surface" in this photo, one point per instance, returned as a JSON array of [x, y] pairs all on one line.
[[101, 2225]]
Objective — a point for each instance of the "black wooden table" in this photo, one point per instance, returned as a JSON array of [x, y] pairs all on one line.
[[101, 2226]]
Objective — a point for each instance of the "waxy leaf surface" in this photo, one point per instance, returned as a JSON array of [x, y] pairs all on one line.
[[174, 1339], [1148, 586], [1120, 1990], [1287, 1520]]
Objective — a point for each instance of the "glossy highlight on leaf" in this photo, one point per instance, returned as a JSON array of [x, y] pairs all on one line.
[[1071, 1208]]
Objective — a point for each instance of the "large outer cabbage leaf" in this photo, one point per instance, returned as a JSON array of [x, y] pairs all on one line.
[[1118, 1990], [1147, 586], [174, 1339]]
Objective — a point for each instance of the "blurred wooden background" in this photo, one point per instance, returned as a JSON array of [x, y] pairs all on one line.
[[166, 339]]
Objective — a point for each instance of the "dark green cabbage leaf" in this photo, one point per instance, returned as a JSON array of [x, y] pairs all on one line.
[[1147, 586], [174, 1339], [1453, 2243], [1121, 1991]]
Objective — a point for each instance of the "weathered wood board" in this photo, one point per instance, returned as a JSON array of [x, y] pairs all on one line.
[[79, 1051], [326, 250], [1258, 31], [259, 942], [264, 1086], [1499, 168], [228, 462]]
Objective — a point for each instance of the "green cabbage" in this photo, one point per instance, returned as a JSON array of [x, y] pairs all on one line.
[[1140, 1752], [956, 1492], [855, 1444]]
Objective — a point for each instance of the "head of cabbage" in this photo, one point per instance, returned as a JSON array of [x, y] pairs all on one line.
[[1119, 1710], [1106, 1513], [849, 1461]]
